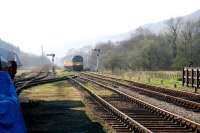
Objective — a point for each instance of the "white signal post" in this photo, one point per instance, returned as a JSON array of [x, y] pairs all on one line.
[[53, 56], [97, 54]]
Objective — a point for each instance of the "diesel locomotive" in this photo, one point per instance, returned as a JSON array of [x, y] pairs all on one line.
[[77, 62]]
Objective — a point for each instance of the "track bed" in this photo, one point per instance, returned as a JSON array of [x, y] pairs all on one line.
[[57, 108]]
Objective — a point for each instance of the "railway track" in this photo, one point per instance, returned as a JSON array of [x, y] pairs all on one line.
[[183, 99], [187, 95], [39, 81], [128, 114], [38, 73], [38, 76]]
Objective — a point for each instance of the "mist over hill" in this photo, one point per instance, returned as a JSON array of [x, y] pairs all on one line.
[[158, 26], [153, 27], [27, 60]]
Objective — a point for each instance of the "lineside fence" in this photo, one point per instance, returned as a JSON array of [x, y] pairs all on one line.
[[191, 77]]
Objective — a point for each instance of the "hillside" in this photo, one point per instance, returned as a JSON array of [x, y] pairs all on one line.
[[157, 27], [27, 60], [153, 27]]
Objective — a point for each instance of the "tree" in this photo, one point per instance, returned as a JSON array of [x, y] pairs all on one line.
[[187, 32], [173, 26]]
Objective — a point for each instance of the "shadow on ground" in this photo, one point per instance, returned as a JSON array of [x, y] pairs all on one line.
[[58, 117]]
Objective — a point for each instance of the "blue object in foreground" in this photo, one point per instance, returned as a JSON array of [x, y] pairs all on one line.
[[11, 119]]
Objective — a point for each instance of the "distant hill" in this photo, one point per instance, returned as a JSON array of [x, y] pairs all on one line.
[[27, 60], [153, 27], [194, 16], [157, 27]]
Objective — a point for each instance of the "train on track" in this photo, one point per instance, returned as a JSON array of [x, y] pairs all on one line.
[[76, 64]]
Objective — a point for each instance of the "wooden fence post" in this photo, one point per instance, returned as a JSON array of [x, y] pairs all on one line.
[[183, 77], [187, 77], [192, 77], [198, 75]]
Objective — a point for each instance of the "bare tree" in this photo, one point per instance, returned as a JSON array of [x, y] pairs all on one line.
[[173, 31], [187, 32]]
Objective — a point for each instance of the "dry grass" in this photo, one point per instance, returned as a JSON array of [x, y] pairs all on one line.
[[62, 72], [50, 92], [20, 71]]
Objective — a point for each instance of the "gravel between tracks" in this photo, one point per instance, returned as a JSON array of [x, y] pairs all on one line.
[[194, 116]]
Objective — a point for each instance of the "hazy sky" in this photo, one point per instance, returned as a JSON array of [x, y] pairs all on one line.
[[59, 25]]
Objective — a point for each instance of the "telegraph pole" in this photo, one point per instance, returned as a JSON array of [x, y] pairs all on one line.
[[97, 54], [53, 56]]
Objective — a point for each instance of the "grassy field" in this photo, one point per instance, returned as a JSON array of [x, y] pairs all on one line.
[[167, 79]]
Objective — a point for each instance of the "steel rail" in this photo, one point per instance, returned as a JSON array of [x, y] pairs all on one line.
[[39, 82], [166, 97], [191, 96], [163, 113], [132, 124]]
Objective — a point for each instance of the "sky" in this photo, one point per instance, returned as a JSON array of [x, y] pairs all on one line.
[[60, 25]]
